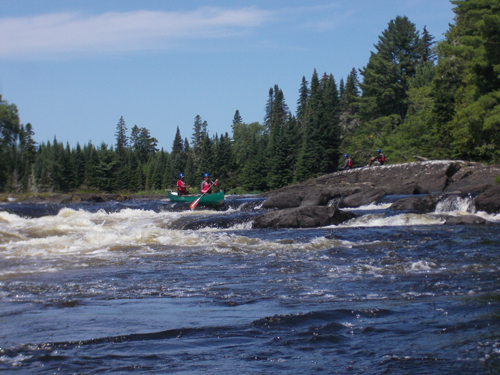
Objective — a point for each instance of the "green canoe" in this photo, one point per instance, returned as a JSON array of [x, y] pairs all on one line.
[[209, 199]]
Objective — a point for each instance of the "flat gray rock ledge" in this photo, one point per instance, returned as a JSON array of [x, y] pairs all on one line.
[[303, 217]]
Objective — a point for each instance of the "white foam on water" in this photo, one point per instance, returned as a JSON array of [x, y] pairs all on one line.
[[490, 217], [456, 204], [101, 235], [369, 207], [422, 265], [379, 220]]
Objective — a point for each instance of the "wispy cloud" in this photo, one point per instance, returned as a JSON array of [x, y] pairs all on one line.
[[61, 34]]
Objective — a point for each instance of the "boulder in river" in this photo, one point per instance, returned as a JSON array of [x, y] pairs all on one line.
[[362, 198], [489, 201], [420, 204], [464, 219], [302, 217]]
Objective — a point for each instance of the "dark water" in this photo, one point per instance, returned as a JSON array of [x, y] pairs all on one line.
[[148, 287]]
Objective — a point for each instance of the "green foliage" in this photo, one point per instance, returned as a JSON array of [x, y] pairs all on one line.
[[385, 84], [319, 151]]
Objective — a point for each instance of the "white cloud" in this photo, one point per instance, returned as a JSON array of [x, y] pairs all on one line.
[[62, 34]]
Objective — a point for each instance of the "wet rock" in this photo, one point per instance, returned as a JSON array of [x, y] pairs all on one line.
[[489, 201], [284, 200], [362, 198], [302, 217], [473, 178], [420, 204], [306, 195], [464, 220], [395, 179]]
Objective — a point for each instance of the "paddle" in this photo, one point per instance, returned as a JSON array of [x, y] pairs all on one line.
[[193, 205]]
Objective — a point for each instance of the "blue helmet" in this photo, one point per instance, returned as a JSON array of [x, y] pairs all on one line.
[[346, 156], [206, 175], [379, 150], [181, 175]]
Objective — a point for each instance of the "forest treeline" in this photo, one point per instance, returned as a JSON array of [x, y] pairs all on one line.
[[413, 98]]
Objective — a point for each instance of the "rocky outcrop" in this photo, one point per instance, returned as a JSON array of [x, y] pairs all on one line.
[[360, 186], [420, 204], [464, 220], [396, 179], [363, 197], [302, 217], [489, 201]]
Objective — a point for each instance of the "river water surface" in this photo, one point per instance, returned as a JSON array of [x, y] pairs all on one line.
[[150, 287]]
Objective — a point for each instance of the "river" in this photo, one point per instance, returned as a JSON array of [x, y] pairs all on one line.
[[151, 287]]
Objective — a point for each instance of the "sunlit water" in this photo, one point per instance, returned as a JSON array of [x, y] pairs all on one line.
[[150, 286]]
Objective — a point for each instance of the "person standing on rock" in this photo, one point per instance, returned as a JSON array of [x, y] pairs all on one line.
[[181, 185], [377, 160], [206, 184], [348, 162]]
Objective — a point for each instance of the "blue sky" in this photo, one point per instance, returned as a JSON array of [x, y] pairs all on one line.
[[74, 67]]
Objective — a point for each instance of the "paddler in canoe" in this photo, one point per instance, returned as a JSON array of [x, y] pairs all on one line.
[[207, 197], [206, 184], [181, 185]]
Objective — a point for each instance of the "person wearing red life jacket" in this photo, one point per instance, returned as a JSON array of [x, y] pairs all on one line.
[[377, 160], [206, 184], [181, 185], [348, 162]]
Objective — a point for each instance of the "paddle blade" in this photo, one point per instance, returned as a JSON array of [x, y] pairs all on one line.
[[194, 203]]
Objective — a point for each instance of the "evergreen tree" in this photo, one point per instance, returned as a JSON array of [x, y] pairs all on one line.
[[178, 145], [279, 141], [426, 47], [121, 178], [302, 101], [206, 161], [9, 131], [237, 119], [199, 132], [385, 83], [328, 129], [319, 152], [466, 87], [121, 135]]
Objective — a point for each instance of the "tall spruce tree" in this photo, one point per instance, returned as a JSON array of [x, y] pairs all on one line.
[[121, 178], [237, 119], [280, 173], [385, 77], [321, 141]]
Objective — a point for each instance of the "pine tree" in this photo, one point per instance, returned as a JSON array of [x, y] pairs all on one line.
[[178, 145], [329, 130], [237, 119], [278, 146], [385, 83], [121, 135], [302, 101], [426, 47], [121, 177]]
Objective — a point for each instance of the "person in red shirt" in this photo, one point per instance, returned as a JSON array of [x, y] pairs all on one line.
[[206, 184], [348, 162], [377, 160], [181, 185]]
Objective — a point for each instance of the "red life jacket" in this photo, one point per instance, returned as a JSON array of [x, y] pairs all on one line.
[[383, 158], [349, 163]]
